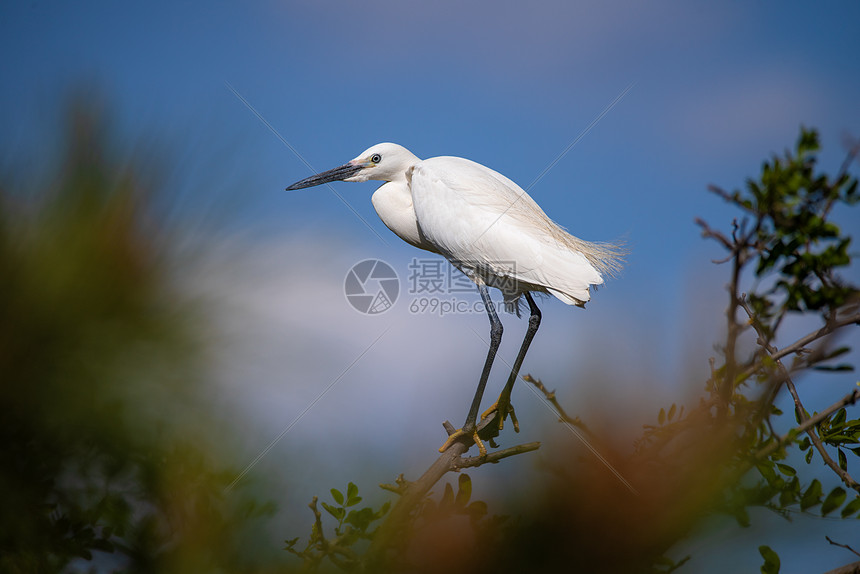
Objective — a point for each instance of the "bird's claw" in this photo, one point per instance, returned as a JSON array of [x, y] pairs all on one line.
[[459, 435], [508, 410]]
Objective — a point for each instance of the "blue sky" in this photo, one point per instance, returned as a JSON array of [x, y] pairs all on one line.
[[716, 88]]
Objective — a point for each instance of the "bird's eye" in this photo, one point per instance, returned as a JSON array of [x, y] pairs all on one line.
[[376, 158]]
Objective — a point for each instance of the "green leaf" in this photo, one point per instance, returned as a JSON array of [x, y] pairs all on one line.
[[794, 486], [838, 418], [809, 456], [833, 501], [771, 560], [787, 496], [335, 511], [851, 507], [353, 501], [812, 496], [360, 519], [742, 516], [382, 510], [785, 469], [765, 468], [835, 353], [808, 142], [337, 495], [839, 437], [351, 490], [661, 417], [464, 491], [843, 461], [671, 413], [840, 368]]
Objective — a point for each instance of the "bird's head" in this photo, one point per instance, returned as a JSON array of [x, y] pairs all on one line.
[[384, 162]]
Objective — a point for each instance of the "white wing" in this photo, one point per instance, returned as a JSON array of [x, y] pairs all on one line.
[[479, 217]]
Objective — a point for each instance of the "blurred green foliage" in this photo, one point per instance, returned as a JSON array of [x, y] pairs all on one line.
[[350, 535], [105, 458], [421, 542]]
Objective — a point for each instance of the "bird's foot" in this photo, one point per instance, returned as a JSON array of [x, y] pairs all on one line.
[[459, 435], [502, 413]]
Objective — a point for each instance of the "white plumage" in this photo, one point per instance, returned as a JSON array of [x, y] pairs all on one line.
[[485, 224]]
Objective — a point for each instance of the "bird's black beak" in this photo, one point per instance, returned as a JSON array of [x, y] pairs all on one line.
[[337, 174]]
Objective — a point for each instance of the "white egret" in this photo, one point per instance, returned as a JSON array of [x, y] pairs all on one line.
[[491, 230]]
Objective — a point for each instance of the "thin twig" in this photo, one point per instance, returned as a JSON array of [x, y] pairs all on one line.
[[800, 344], [730, 198], [785, 378], [738, 247], [853, 153], [733, 328], [550, 396], [493, 457], [708, 232], [849, 399], [318, 521], [400, 486], [841, 545], [853, 568], [819, 446], [571, 424]]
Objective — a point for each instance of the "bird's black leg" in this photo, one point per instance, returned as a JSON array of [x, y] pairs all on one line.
[[503, 405], [495, 339], [470, 426]]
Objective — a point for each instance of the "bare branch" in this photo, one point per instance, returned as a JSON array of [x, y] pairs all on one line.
[[318, 521], [853, 568], [849, 399], [400, 486], [493, 457], [853, 153], [730, 198], [707, 232], [550, 396], [799, 345], [814, 336], [841, 545], [572, 423], [733, 330], [819, 446]]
